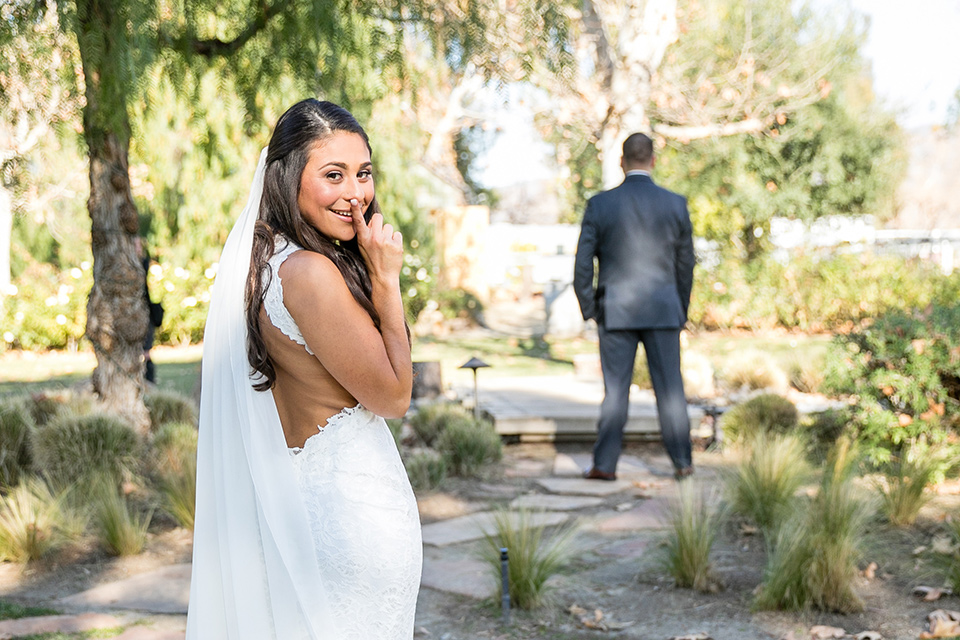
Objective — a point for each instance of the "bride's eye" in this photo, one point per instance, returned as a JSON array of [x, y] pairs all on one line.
[[365, 174], [334, 175]]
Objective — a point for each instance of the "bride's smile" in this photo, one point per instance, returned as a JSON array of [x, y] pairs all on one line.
[[338, 171]]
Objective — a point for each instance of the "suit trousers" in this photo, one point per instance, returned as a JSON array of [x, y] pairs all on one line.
[[618, 350]]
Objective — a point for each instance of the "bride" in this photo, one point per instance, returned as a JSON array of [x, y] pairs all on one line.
[[306, 525]]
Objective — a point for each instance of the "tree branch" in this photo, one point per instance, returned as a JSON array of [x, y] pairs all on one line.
[[214, 47], [750, 125]]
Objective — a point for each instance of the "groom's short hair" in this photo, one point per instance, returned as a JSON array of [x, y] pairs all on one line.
[[638, 149]]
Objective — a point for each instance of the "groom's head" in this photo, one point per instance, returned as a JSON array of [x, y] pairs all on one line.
[[637, 153]]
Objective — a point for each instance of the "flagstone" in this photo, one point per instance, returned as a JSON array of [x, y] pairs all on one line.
[[57, 624], [464, 576], [475, 526], [583, 487], [648, 514], [166, 590], [554, 502]]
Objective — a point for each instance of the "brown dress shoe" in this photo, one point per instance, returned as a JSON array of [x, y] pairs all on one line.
[[682, 474], [595, 474]]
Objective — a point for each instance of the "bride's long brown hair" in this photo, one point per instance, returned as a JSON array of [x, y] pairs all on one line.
[[298, 130]]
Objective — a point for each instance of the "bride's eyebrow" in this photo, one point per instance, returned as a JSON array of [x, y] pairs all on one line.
[[343, 165]]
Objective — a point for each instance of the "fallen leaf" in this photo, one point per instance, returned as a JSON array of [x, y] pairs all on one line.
[[693, 636], [790, 636], [871, 571], [748, 529], [823, 632], [942, 629], [868, 635], [623, 506], [943, 545], [931, 594], [919, 550], [944, 614]]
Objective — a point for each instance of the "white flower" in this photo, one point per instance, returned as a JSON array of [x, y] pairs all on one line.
[[76, 273], [168, 285], [19, 316], [412, 292], [421, 274], [156, 271], [12, 290], [211, 271], [52, 300], [181, 273], [84, 265], [8, 336], [189, 301], [61, 319], [205, 296]]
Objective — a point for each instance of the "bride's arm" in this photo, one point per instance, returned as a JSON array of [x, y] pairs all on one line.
[[373, 366]]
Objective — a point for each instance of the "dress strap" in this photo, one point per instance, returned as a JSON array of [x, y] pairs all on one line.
[[273, 298]]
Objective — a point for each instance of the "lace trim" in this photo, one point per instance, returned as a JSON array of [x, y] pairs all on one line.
[[333, 420], [273, 299]]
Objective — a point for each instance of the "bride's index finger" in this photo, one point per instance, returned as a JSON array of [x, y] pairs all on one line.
[[359, 224]]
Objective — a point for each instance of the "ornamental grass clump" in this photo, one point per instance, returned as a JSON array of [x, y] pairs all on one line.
[[431, 420], [123, 531], [903, 491], [765, 413], [753, 370], [813, 562], [169, 406], [693, 529], [31, 518], [764, 486], [468, 446], [16, 423], [426, 469], [72, 448], [533, 559], [174, 460]]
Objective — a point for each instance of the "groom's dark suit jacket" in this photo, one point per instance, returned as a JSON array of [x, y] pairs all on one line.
[[642, 238]]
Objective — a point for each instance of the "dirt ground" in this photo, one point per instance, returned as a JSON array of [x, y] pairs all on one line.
[[616, 573]]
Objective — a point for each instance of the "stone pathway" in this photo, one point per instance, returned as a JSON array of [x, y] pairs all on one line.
[[610, 518]]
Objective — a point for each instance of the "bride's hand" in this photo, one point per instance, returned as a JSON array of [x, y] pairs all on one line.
[[380, 246]]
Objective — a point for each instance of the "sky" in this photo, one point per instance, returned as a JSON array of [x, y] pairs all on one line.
[[913, 47]]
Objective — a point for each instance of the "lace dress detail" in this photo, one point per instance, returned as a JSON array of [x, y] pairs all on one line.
[[273, 298], [365, 523], [360, 507]]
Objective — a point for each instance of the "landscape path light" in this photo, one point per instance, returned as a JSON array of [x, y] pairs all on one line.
[[474, 364]]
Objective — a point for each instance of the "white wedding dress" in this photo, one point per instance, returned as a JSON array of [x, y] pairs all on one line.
[[361, 509], [318, 543]]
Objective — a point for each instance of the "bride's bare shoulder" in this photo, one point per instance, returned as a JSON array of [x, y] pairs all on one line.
[[308, 275]]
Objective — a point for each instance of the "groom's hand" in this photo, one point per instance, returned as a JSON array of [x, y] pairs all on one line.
[[380, 246]]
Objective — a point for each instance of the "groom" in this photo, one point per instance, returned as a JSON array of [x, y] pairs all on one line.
[[642, 238]]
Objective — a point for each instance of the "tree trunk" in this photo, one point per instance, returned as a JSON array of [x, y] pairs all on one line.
[[117, 318]]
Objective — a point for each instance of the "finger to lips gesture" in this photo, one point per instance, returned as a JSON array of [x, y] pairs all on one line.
[[380, 246]]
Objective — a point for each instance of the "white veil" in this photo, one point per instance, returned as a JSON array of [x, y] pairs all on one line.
[[255, 571]]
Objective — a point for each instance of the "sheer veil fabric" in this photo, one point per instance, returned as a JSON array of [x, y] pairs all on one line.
[[255, 571]]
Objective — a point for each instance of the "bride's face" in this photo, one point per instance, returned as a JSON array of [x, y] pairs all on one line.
[[338, 170]]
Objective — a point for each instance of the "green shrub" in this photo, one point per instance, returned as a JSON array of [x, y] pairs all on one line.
[[44, 406], [532, 559], [70, 448], [178, 488], [693, 529], [469, 445], [122, 532], [169, 406], [806, 376], [426, 469], [30, 522], [824, 428], [16, 423], [174, 444], [430, 420], [904, 372], [753, 370], [906, 478], [764, 486], [814, 559], [766, 413]]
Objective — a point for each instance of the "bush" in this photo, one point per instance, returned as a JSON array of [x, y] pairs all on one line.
[[814, 559], [30, 522], [430, 420], [765, 485], [71, 448], [467, 446], [766, 413], [752, 370], [16, 423], [174, 445], [693, 528], [122, 532], [169, 406], [904, 372], [806, 376], [44, 406], [823, 429], [532, 559], [426, 469], [906, 478]]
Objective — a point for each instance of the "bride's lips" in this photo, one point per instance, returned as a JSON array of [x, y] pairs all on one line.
[[346, 215]]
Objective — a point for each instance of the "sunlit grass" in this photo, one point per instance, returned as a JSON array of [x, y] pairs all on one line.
[[31, 519], [693, 529], [122, 530]]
